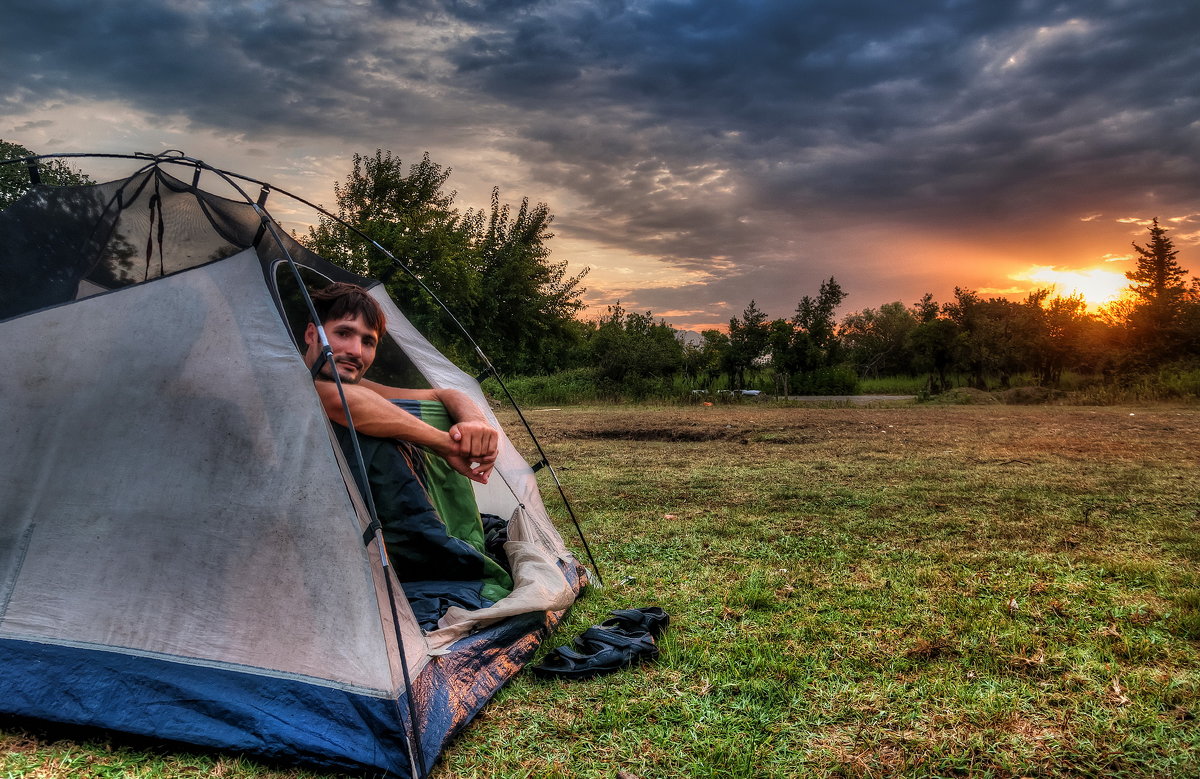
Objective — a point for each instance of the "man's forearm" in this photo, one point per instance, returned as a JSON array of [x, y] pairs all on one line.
[[458, 404], [373, 415], [470, 446]]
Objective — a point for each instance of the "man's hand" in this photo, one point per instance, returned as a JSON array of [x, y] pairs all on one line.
[[475, 439], [476, 447], [471, 468]]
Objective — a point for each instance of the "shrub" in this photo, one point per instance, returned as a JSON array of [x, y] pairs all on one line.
[[838, 380], [577, 385]]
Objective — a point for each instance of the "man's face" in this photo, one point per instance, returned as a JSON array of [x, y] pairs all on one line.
[[353, 343]]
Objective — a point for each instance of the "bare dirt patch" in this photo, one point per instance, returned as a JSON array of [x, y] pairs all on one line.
[[977, 433]]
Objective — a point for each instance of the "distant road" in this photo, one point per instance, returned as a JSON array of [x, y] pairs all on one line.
[[858, 400]]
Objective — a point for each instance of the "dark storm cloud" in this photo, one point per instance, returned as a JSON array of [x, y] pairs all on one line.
[[742, 140], [308, 66], [865, 101], [704, 132]]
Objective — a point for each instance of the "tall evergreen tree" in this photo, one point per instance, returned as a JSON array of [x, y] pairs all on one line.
[[1154, 324], [748, 340], [815, 316], [1158, 276]]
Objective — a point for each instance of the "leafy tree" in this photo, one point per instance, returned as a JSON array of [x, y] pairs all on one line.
[[791, 350], [748, 342], [626, 347], [527, 303], [14, 178], [1067, 339], [492, 269], [997, 337], [877, 340], [936, 345], [926, 309], [703, 362], [408, 214]]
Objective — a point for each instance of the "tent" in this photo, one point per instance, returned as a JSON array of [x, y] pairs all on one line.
[[184, 553]]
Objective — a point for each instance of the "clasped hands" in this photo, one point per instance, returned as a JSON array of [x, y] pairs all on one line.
[[472, 449]]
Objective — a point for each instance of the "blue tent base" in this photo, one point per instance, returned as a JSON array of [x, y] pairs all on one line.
[[275, 719], [286, 720]]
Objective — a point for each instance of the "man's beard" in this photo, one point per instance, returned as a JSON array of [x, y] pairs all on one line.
[[353, 365]]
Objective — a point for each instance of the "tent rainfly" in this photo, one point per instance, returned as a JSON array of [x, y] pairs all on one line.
[[184, 552]]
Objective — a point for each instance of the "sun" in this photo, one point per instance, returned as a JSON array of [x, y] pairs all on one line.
[[1097, 286]]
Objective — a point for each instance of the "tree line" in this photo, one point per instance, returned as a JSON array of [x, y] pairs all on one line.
[[493, 268], [974, 340]]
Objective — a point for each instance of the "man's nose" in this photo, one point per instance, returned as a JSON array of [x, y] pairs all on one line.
[[353, 346]]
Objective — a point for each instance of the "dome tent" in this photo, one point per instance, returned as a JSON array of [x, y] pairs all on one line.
[[184, 553]]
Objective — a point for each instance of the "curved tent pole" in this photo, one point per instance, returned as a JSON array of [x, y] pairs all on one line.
[[417, 755], [228, 176], [489, 368]]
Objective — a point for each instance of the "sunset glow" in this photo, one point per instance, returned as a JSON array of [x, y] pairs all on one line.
[[1098, 286]]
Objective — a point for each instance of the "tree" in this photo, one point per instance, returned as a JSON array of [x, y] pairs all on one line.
[[526, 302], [1160, 294], [410, 216], [491, 268], [877, 340], [1067, 339], [1158, 276], [629, 346], [748, 342], [814, 316], [15, 180], [703, 362], [926, 309], [790, 349]]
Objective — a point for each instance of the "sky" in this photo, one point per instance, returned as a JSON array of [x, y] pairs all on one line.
[[695, 155]]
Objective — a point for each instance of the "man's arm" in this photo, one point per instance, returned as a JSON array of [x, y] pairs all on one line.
[[467, 452], [471, 431]]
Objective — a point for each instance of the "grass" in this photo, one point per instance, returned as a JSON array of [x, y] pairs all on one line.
[[992, 591]]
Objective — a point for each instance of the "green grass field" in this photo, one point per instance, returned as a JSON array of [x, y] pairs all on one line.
[[919, 591]]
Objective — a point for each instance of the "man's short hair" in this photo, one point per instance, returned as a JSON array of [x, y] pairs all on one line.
[[340, 301]]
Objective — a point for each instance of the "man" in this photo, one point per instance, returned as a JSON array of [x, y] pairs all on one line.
[[430, 521], [354, 323]]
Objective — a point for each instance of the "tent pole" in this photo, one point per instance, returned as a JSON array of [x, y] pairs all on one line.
[[417, 755], [553, 474], [489, 368], [177, 157]]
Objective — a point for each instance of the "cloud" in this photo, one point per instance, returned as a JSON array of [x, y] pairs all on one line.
[[744, 149]]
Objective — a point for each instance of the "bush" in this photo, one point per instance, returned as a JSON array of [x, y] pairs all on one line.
[[577, 385], [894, 385], [838, 380], [1179, 379]]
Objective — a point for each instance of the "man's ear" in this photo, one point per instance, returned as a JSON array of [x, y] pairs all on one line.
[[310, 334]]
